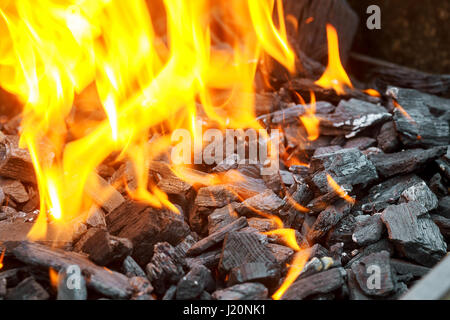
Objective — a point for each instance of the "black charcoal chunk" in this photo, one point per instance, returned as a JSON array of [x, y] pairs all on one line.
[[443, 224], [369, 229], [266, 202], [265, 273], [194, 282], [131, 268], [387, 138], [361, 143], [391, 164], [421, 194], [413, 232], [346, 167], [374, 274], [402, 267], [70, 287], [28, 289], [319, 283], [292, 114], [222, 217], [245, 291], [444, 207]]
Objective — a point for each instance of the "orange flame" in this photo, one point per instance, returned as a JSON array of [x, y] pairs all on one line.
[[341, 192], [54, 278], [334, 76], [142, 79], [2, 257], [310, 121], [372, 92]]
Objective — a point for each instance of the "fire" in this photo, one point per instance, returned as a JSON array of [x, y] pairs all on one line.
[[310, 121], [2, 257], [341, 192], [288, 235], [372, 92], [334, 76], [54, 278], [54, 51]]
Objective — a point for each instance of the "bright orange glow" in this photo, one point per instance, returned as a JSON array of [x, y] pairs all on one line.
[[310, 121], [309, 20], [54, 278], [2, 257], [403, 112], [372, 92], [288, 236], [53, 51], [339, 190], [334, 76], [298, 263]]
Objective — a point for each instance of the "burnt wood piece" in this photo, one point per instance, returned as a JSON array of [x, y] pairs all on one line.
[[369, 229], [443, 224], [346, 167], [361, 143], [382, 245], [106, 282], [353, 116], [131, 268], [390, 164], [255, 272], [262, 224], [142, 288], [96, 218], [444, 207], [444, 167], [342, 232], [296, 200], [244, 186], [282, 253], [13, 276], [322, 282], [191, 286], [3, 290], [215, 196], [109, 199], [387, 138], [328, 219], [366, 267], [266, 202], [413, 232], [183, 247], [244, 247], [386, 193], [15, 163], [311, 36], [28, 289], [422, 194], [320, 203], [78, 292], [217, 237], [355, 292], [170, 293], [386, 74], [146, 226], [404, 267], [209, 259], [426, 124], [434, 286], [437, 185], [244, 291], [164, 269], [327, 149], [15, 190], [221, 217], [291, 114]]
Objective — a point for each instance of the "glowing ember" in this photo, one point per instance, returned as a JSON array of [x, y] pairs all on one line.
[[341, 192], [310, 121], [372, 92], [54, 278], [2, 257], [334, 76]]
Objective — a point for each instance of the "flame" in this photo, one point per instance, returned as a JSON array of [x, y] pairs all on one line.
[[372, 92], [288, 235], [2, 257], [341, 192], [55, 51], [310, 121], [54, 278], [334, 76]]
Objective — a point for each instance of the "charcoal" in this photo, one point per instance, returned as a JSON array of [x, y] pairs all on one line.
[[146, 226], [244, 186], [386, 193], [342, 232], [281, 253], [12, 276], [209, 259], [443, 224], [361, 143], [96, 218], [183, 247], [420, 128], [328, 219], [217, 237], [382, 245], [267, 203], [110, 199], [131, 268], [444, 207], [28, 289], [292, 213], [170, 293], [244, 247], [313, 266], [164, 269], [413, 232], [369, 229], [437, 185], [221, 217], [372, 268], [15, 163], [265, 273], [322, 282], [262, 224], [142, 288], [229, 163], [422, 194], [444, 167], [353, 116], [215, 196], [78, 292], [390, 164], [287, 178], [404, 267], [244, 291], [194, 282], [15, 190], [3, 291], [292, 114], [107, 282], [387, 138], [355, 292], [320, 203], [346, 167]]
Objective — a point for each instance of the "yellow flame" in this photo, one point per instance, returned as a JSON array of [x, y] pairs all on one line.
[[310, 121], [2, 257], [334, 76], [341, 192]]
